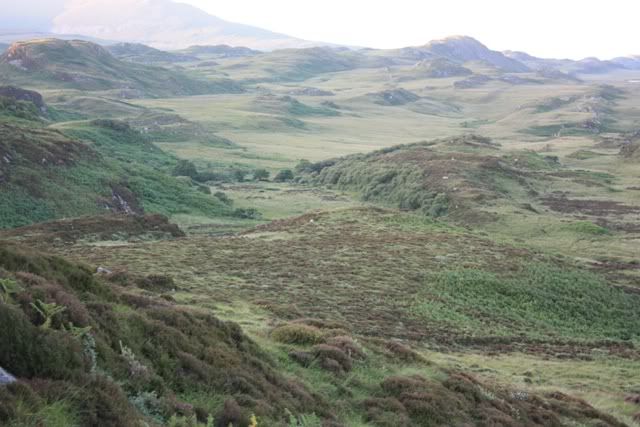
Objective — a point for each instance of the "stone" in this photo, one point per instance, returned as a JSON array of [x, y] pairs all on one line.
[[6, 378]]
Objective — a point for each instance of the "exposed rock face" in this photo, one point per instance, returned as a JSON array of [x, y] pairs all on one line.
[[6, 378], [122, 201], [441, 68], [24, 95]]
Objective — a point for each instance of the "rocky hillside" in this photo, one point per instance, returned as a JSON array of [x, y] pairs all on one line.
[[459, 49]]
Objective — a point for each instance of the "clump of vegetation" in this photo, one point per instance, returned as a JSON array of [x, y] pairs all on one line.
[[261, 175], [461, 399], [586, 227], [247, 213], [284, 175], [298, 333]]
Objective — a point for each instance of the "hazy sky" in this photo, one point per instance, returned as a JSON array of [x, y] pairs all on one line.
[[550, 28]]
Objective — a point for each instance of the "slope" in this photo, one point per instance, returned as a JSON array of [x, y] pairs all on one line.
[[85, 168], [53, 63]]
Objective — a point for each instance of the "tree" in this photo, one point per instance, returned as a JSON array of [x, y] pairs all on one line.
[[261, 175], [284, 175]]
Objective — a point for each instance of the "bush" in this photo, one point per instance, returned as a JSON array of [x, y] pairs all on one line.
[[297, 333], [28, 351], [239, 175], [247, 213], [185, 168], [284, 175], [261, 175]]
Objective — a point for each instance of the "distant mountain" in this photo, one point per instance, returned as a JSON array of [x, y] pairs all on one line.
[[87, 66], [628, 62], [589, 65], [459, 49], [3, 47], [137, 52], [164, 24]]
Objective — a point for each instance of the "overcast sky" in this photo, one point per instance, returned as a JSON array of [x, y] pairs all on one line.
[[548, 28]]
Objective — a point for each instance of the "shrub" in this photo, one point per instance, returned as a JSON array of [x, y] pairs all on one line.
[[247, 213], [297, 333], [185, 168], [261, 175], [239, 175], [284, 175], [28, 351]]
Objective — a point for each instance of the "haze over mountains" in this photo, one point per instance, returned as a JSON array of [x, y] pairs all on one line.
[[169, 25]]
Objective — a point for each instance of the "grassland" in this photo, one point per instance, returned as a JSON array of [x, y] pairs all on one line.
[[372, 290]]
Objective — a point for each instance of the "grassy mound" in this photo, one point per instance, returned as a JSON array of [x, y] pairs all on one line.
[[95, 229], [436, 178]]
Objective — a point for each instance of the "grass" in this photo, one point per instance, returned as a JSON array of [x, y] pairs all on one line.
[[539, 301]]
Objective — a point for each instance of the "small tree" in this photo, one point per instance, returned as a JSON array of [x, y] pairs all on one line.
[[261, 175], [284, 175]]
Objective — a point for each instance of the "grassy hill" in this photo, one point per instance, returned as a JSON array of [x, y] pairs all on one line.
[[136, 52], [84, 168], [299, 64], [87, 66], [219, 51], [451, 176]]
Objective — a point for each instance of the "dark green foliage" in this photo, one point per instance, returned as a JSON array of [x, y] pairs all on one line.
[[28, 351], [261, 175], [247, 213], [11, 108], [239, 175], [284, 176], [185, 168]]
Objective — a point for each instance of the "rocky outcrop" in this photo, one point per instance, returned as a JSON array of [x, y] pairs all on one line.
[[24, 95], [6, 378]]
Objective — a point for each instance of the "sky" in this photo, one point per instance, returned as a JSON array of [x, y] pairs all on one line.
[[546, 28]]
